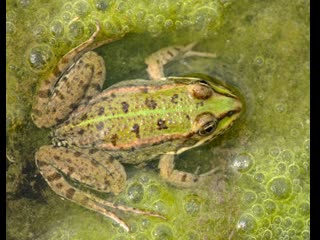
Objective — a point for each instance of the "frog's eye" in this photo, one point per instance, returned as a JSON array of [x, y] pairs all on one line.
[[208, 128]]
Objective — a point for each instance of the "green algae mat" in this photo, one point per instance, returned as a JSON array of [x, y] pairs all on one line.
[[261, 187]]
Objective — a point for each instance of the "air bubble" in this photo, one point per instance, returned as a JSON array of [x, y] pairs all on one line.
[[24, 3], [274, 151], [259, 61], [39, 32], [160, 207], [249, 198], [294, 132], [160, 19], [306, 235], [162, 232], [135, 193], [257, 210], [57, 29], [292, 211], [281, 107], [246, 224], [101, 5], [287, 222], [168, 23], [242, 162], [306, 144], [66, 16], [192, 205], [291, 232], [259, 177], [81, 8], [276, 220], [304, 209], [294, 170], [286, 155], [267, 235], [281, 167], [76, 29], [280, 187], [153, 190], [40, 58], [178, 25], [269, 206], [10, 28]]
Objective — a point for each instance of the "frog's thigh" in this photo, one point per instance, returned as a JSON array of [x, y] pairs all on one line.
[[52, 161], [176, 177], [76, 86]]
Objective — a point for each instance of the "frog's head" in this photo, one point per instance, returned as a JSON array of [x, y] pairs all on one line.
[[218, 109]]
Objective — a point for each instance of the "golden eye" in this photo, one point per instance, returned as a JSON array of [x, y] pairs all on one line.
[[208, 128]]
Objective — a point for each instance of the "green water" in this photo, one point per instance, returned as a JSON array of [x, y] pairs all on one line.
[[262, 188]]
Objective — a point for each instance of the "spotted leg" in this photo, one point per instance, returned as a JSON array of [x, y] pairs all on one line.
[[104, 175], [179, 178], [79, 75], [157, 60]]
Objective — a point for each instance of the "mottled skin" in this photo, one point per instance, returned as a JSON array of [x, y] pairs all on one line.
[[130, 122]]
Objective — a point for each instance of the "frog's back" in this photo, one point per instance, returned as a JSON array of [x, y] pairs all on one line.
[[125, 116]]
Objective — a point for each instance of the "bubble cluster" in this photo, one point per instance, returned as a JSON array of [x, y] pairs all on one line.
[[243, 162], [40, 57]]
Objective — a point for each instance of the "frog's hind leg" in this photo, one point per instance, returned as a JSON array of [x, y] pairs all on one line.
[[157, 60], [179, 178], [77, 86], [57, 164], [49, 102]]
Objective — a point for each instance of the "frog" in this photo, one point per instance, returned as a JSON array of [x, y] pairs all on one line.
[[94, 131]]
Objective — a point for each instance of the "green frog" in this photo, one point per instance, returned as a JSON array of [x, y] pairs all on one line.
[[131, 122]]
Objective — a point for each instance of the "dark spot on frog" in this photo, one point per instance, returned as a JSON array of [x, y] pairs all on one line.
[[93, 150], [84, 201], [114, 139], [150, 103], [133, 149], [161, 124], [73, 106], [125, 107], [195, 179], [113, 95], [184, 177], [99, 126], [144, 90], [170, 53], [58, 120], [56, 157], [36, 112], [56, 71], [84, 117], [101, 111], [85, 86], [77, 154], [70, 170], [81, 132], [68, 160], [44, 93], [53, 177], [136, 129], [41, 163], [54, 110], [87, 65], [199, 104], [99, 73], [174, 98], [59, 185], [96, 86], [94, 163], [70, 192], [188, 117], [106, 182]]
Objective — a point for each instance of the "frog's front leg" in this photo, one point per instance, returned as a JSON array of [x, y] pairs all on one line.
[[176, 177], [76, 79], [157, 60], [92, 169]]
